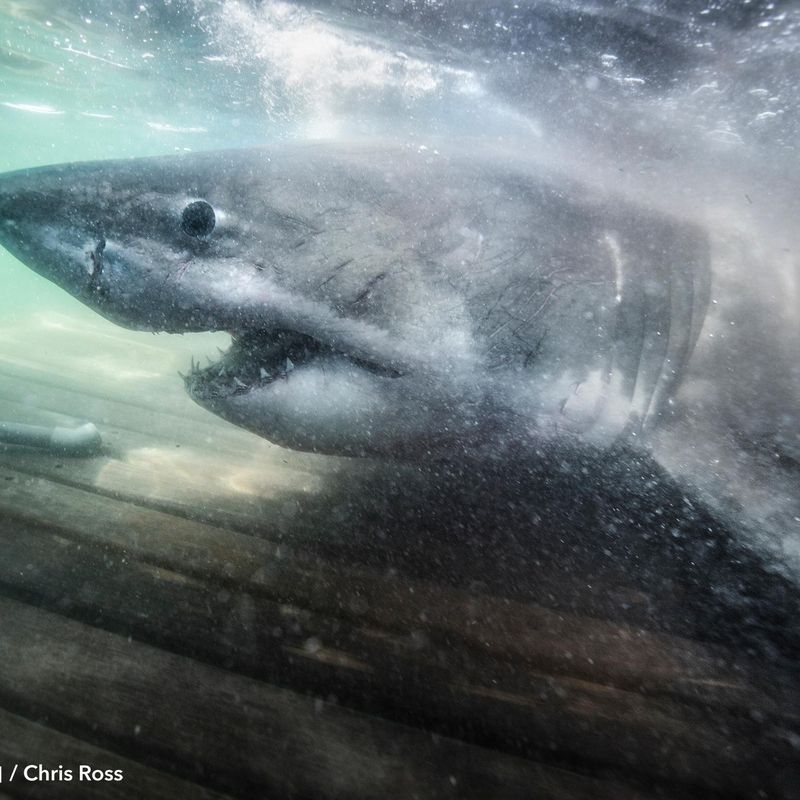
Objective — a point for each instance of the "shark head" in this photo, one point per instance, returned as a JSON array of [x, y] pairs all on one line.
[[381, 301], [323, 356]]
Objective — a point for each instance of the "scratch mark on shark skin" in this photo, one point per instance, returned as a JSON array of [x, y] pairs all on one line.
[[335, 272], [367, 290]]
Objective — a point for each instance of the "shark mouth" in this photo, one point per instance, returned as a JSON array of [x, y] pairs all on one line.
[[259, 358]]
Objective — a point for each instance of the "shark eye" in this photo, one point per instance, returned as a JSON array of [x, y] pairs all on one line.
[[198, 219]]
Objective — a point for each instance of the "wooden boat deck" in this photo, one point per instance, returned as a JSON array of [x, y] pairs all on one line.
[[187, 607]]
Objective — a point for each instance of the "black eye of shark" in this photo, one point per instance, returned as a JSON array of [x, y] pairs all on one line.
[[198, 219]]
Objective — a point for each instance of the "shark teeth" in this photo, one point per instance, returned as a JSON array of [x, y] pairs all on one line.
[[258, 358], [255, 359]]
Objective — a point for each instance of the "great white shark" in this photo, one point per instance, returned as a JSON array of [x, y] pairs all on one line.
[[382, 300], [524, 342]]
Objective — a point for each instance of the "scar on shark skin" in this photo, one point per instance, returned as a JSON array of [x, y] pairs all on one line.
[[96, 257], [179, 273]]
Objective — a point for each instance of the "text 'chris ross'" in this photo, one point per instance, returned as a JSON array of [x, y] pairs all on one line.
[[38, 773]]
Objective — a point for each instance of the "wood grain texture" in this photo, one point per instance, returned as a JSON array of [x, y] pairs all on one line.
[[545, 640], [411, 678], [239, 734]]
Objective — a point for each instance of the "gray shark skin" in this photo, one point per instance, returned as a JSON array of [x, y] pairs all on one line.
[[382, 300]]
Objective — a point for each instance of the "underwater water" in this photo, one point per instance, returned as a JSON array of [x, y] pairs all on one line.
[[685, 111]]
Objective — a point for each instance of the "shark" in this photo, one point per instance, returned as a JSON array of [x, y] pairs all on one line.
[[383, 300], [515, 349]]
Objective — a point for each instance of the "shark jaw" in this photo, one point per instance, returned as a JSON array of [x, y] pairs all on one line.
[[312, 396]]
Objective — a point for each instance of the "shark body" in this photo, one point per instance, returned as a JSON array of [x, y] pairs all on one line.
[[382, 300]]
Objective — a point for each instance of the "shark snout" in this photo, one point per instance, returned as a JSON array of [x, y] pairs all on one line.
[[42, 227]]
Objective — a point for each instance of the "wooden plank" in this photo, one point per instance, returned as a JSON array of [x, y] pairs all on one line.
[[234, 489], [542, 640], [271, 501], [242, 735], [236, 482], [24, 742], [442, 688], [255, 489], [214, 473]]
